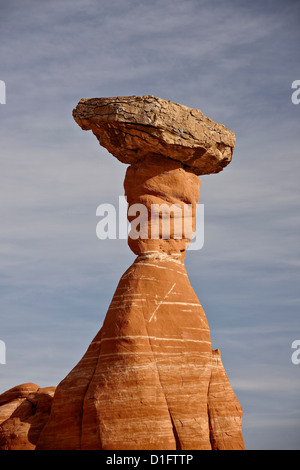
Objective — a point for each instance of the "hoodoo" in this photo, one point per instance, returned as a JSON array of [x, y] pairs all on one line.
[[150, 378]]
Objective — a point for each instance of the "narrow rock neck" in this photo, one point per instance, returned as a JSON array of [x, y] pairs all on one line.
[[162, 205]]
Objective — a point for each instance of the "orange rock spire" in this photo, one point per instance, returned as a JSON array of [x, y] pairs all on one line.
[[150, 379]]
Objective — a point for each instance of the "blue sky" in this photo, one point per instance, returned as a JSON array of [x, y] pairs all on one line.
[[235, 61]]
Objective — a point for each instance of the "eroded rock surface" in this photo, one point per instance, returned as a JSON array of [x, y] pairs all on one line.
[[150, 378], [132, 127], [24, 411], [153, 186]]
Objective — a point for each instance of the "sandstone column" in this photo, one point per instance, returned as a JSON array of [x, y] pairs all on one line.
[[150, 379]]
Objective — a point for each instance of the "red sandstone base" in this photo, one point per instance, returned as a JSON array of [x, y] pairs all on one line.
[[149, 379]]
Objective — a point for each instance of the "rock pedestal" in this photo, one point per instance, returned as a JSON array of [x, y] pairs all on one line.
[[150, 378]]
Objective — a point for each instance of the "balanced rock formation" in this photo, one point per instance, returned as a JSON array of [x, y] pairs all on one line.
[[24, 411], [133, 127], [150, 378]]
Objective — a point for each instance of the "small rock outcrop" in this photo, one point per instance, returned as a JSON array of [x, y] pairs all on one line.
[[24, 411], [150, 378]]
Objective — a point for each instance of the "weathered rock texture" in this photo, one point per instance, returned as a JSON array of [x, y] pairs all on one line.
[[24, 411], [150, 378], [153, 184], [133, 127]]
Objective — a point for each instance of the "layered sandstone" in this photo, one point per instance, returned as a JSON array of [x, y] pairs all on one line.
[[225, 412], [151, 187], [24, 411], [150, 378], [12, 398], [132, 127]]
